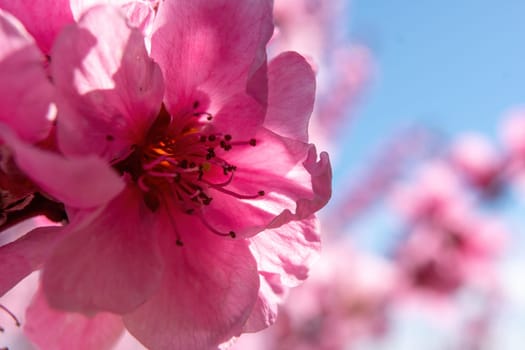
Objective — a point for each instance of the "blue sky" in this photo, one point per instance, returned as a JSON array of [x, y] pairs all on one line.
[[454, 65]]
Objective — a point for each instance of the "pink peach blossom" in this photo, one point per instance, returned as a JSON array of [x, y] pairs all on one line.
[[212, 215], [449, 244], [478, 161]]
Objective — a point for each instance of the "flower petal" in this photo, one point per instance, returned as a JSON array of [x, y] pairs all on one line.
[[25, 255], [110, 263], [42, 18], [223, 47], [80, 182], [291, 97], [294, 187], [51, 329], [205, 298], [284, 258], [25, 89], [111, 90]]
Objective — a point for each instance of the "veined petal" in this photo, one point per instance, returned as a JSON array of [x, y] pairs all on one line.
[[111, 90], [51, 329], [291, 96], [206, 296], [294, 183], [110, 263], [264, 312], [223, 47], [284, 258], [25, 89]]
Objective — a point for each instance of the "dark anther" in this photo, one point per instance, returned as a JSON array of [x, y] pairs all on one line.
[[110, 138], [179, 242], [227, 147], [184, 164], [190, 211], [211, 153], [223, 144], [260, 193], [228, 137], [211, 138], [207, 201], [195, 104], [232, 234], [202, 138], [192, 165], [253, 142], [209, 118]]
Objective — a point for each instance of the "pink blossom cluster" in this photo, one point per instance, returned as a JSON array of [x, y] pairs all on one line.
[[177, 157]]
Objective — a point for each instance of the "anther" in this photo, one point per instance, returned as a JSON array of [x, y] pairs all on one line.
[[232, 234], [195, 104], [228, 137], [211, 138], [260, 193], [253, 142], [179, 242]]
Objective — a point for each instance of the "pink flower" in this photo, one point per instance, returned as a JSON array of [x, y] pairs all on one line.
[[478, 161], [449, 244], [212, 216]]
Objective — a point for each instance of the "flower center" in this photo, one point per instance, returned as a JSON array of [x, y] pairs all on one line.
[[181, 164]]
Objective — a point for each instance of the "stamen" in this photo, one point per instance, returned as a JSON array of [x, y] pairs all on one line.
[[178, 240], [17, 322], [142, 184], [208, 116], [159, 160], [214, 230], [234, 194]]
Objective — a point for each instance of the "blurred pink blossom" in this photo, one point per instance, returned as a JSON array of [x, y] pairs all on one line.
[[478, 160], [449, 244]]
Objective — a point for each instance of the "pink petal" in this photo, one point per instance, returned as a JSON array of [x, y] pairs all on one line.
[[214, 46], [140, 14], [241, 116], [42, 18], [284, 257], [109, 263], [320, 174], [265, 310], [112, 90], [80, 182], [26, 92], [25, 255], [289, 250], [55, 330], [291, 96], [208, 292], [294, 187]]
